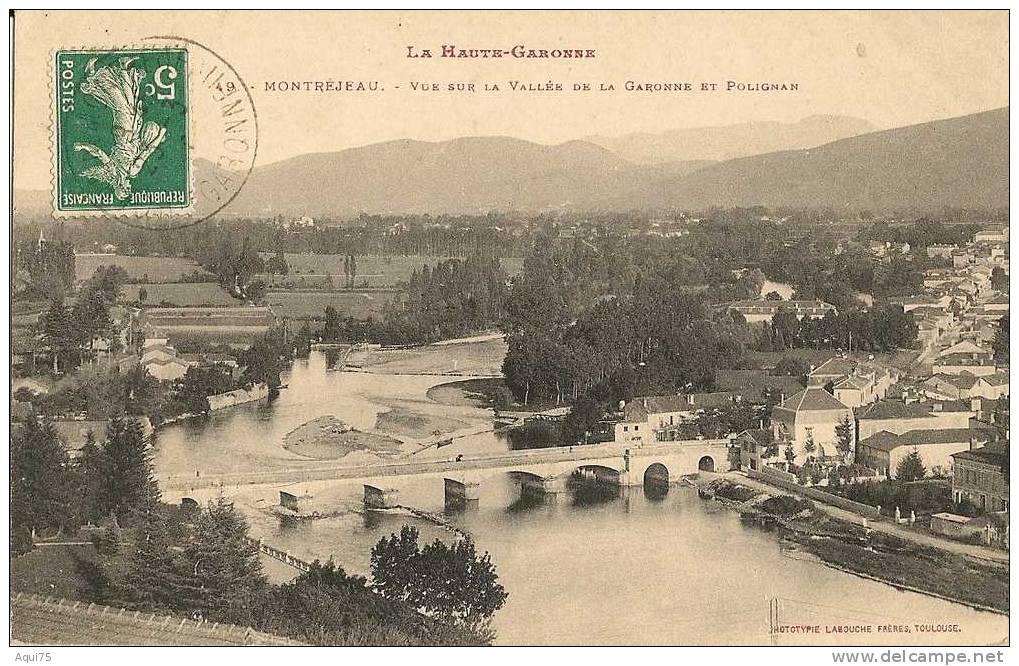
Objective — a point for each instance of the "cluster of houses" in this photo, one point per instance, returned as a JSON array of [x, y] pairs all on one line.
[[863, 414], [163, 362]]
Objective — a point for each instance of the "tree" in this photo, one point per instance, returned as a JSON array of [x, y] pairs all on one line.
[[999, 279], [91, 317], [910, 468], [261, 361], [256, 290], [41, 480], [192, 391], [844, 436], [790, 366], [809, 446], [457, 585], [107, 281], [773, 296], [158, 576], [835, 473], [93, 471], [60, 333], [226, 570], [200, 563], [277, 264], [332, 325], [130, 485], [392, 563], [1000, 344], [449, 582]]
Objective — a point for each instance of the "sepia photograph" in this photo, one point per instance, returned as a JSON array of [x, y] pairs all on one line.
[[529, 328]]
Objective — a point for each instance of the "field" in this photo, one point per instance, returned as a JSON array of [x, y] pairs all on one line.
[[227, 335], [183, 294], [312, 305], [372, 271], [151, 269]]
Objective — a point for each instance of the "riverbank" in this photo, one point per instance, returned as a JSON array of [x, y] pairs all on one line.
[[329, 438], [403, 422], [476, 392], [869, 553], [463, 358]]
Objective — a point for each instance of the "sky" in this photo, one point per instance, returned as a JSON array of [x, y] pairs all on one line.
[[890, 68]]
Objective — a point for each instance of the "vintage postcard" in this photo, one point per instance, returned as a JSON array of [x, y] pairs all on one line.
[[511, 328]]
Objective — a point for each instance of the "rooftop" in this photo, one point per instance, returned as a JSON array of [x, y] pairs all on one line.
[[887, 441], [989, 454], [762, 436], [834, 367], [751, 384], [812, 400], [900, 409], [776, 305]]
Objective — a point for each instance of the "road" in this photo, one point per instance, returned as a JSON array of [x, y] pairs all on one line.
[[508, 460], [885, 527]]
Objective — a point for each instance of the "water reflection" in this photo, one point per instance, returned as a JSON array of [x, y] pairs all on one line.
[[603, 565], [592, 494], [333, 358], [528, 502]]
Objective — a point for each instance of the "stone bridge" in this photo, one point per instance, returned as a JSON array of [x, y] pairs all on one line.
[[621, 463], [611, 463]]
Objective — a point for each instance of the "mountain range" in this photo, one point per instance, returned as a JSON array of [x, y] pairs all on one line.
[[958, 162], [728, 142]]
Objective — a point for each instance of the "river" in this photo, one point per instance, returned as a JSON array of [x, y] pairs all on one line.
[[624, 568]]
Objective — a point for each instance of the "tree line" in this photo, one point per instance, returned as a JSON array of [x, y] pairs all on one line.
[[199, 562], [455, 297]]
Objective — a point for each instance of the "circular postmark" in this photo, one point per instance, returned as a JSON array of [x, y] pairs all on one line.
[[222, 136]]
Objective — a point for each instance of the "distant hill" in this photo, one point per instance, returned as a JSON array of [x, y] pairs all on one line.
[[958, 162], [727, 142], [466, 175]]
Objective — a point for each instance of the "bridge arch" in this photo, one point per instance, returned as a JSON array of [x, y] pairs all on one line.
[[597, 473], [525, 476], [656, 474], [706, 464]]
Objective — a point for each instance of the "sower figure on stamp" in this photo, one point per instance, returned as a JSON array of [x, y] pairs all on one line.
[[134, 140]]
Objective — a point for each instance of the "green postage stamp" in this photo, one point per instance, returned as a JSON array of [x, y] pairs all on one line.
[[121, 130]]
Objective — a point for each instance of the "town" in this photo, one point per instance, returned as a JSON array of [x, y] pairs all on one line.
[[867, 378]]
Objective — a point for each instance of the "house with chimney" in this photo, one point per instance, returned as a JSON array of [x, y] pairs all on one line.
[[853, 383], [810, 416], [162, 361], [758, 447], [957, 364], [910, 303], [883, 451], [993, 234], [980, 477], [900, 415], [966, 386], [761, 310], [666, 418], [967, 347]]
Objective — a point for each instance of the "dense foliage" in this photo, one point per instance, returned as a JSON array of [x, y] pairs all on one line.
[[456, 297], [112, 478], [450, 582]]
